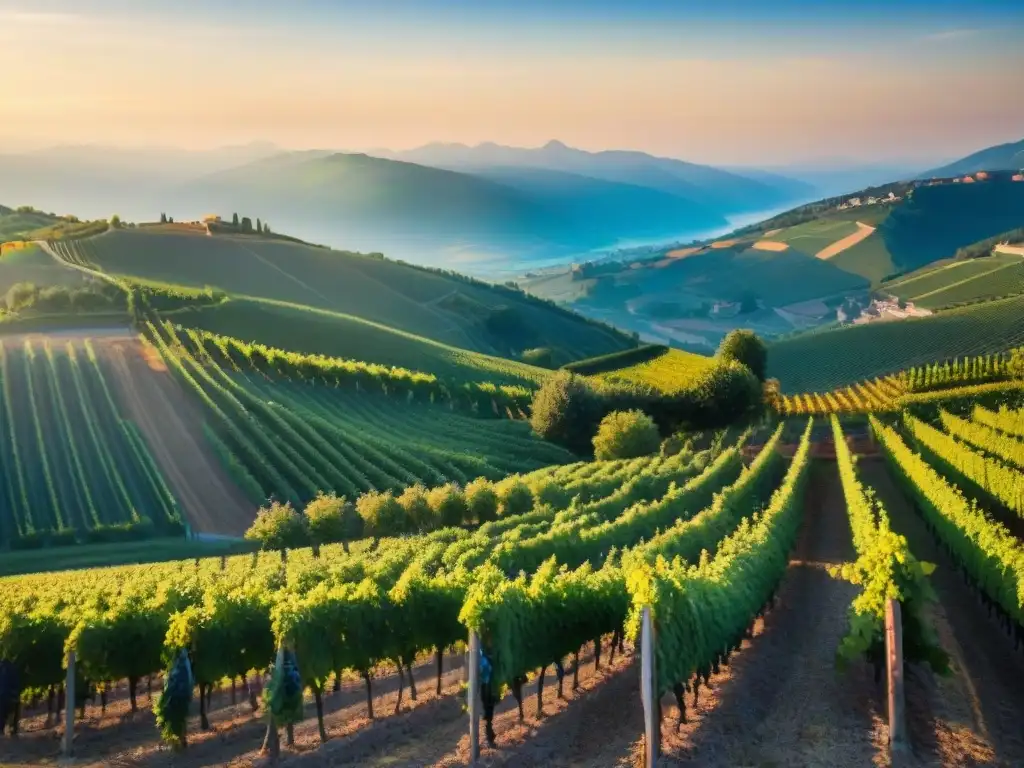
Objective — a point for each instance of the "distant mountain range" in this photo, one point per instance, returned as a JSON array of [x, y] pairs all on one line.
[[447, 204], [1002, 157], [701, 185], [438, 203]]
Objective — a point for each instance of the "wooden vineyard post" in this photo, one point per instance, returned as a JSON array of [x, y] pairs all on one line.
[[67, 746], [648, 690], [473, 663], [894, 659]]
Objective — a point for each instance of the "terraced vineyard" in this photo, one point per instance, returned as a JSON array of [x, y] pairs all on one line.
[[74, 467], [291, 430]]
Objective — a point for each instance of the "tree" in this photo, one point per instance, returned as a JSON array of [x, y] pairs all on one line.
[[163, 218], [566, 411], [170, 219], [259, 227], [246, 224], [279, 526], [626, 435], [448, 505], [1015, 367], [115, 222], [332, 519], [381, 513], [266, 228], [482, 500], [745, 347], [234, 219], [417, 508], [514, 497]]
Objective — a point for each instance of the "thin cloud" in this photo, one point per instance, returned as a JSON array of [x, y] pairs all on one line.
[[950, 34]]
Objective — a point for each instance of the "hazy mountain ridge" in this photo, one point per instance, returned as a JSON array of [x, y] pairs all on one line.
[[1001, 157], [702, 185]]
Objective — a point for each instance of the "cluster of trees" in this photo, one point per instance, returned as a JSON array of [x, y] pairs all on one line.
[[245, 225], [568, 409], [331, 519], [984, 247]]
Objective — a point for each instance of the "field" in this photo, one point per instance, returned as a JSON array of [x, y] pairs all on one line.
[[74, 466], [440, 307], [815, 236], [961, 282], [669, 372], [824, 360], [760, 677]]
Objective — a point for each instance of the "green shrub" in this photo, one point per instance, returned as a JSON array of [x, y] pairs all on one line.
[[448, 505], [482, 500], [381, 514], [514, 497], [566, 410], [332, 519], [417, 508], [626, 435], [745, 347], [279, 526]]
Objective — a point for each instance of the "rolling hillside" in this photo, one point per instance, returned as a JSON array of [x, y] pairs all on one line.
[[824, 360], [443, 308], [948, 284]]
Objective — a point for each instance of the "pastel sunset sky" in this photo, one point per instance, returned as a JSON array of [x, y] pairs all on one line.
[[722, 81]]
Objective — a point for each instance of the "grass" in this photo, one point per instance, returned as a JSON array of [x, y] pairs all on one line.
[[961, 282], [669, 372], [122, 553], [826, 360], [316, 331], [436, 306]]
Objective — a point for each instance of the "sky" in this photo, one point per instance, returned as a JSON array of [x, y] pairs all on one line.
[[729, 82]]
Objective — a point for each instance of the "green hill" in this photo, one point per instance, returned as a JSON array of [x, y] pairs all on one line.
[[442, 307], [933, 223], [824, 360]]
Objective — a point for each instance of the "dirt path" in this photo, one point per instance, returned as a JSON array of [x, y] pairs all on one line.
[[592, 727], [976, 716], [781, 701], [862, 233], [172, 426]]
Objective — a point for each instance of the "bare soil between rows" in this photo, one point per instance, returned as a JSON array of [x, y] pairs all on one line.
[[172, 425]]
